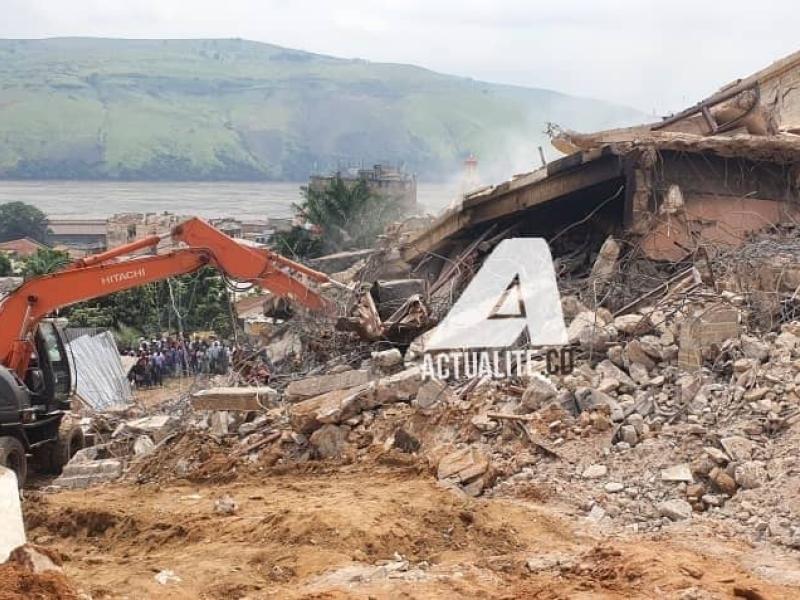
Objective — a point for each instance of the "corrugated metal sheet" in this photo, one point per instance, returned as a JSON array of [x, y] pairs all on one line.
[[101, 380]]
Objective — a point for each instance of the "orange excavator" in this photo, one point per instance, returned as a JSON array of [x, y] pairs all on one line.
[[37, 377]]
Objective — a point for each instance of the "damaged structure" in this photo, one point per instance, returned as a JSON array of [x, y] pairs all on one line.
[[710, 174]]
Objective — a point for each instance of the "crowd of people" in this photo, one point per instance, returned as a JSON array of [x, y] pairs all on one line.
[[170, 357]]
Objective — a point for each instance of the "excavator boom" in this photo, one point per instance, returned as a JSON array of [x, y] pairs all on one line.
[[113, 271]]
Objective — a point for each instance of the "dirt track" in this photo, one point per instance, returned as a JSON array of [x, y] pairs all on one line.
[[326, 534]]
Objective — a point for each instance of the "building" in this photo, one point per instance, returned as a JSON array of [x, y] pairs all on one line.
[[89, 235], [707, 176], [383, 181], [21, 248]]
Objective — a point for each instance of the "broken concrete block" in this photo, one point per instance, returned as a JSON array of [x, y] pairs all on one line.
[[750, 475], [225, 505], [680, 472], [235, 398], [332, 407], [431, 393], [594, 472], [675, 510], [588, 330], [317, 385], [330, 441], [627, 434], [605, 265], [220, 423], [400, 387], [157, 426], [737, 447], [632, 324], [754, 348], [12, 531], [82, 474], [333, 263], [386, 359], [143, 445], [635, 352], [539, 392], [724, 482], [606, 368], [34, 559], [463, 466]]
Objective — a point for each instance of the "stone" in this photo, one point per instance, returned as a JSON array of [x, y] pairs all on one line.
[[635, 352], [591, 399], [636, 421], [608, 369], [737, 447], [35, 560], [754, 348], [639, 373], [12, 532], [539, 392], [571, 306], [143, 446], [750, 475], [225, 506], [594, 472], [596, 514], [166, 576], [717, 455], [463, 466], [627, 434], [311, 387], [588, 330], [386, 359], [330, 441], [333, 407], [675, 510], [614, 487], [724, 482], [432, 393], [632, 324], [678, 473], [605, 265]]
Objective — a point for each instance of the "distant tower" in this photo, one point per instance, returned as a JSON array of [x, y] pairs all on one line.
[[470, 179]]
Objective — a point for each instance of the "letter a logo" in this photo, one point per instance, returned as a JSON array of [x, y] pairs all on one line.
[[514, 290]]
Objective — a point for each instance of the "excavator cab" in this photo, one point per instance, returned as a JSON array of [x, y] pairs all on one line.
[[50, 376]]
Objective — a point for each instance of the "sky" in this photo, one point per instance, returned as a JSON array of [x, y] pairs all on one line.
[[656, 56]]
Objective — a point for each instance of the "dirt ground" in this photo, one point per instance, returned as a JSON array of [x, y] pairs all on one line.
[[368, 531]]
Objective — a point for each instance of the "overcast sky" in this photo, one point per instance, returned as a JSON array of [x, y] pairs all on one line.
[[654, 55]]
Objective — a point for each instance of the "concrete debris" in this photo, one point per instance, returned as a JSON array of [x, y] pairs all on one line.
[[12, 533], [675, 510], [235, 398], [225, 506], [469, 467], [330, 441], [321, 384], [35, 559], [677, 473]]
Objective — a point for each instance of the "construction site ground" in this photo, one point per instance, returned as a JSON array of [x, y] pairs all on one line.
[[384, 529]]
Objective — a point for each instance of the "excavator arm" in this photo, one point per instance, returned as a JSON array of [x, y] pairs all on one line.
[[113, 271]]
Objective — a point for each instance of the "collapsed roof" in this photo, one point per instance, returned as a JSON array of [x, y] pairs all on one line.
[[709, 174]]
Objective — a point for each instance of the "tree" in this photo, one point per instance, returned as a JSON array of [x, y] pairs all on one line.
[[5, 265], [19, 220], [43, 262], [348, 215]]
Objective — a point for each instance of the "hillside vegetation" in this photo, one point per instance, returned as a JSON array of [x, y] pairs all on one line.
[[232, 109]]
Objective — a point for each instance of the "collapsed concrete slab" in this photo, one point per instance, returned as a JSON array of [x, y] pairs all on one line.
[[322, 384], [234, 398]]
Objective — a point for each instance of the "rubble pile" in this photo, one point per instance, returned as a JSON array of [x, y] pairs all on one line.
[[682, 405]]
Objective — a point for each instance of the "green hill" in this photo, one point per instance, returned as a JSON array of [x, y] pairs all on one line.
[[77, 108]]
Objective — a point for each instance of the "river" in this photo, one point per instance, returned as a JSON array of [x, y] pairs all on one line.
[[100, 199]]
